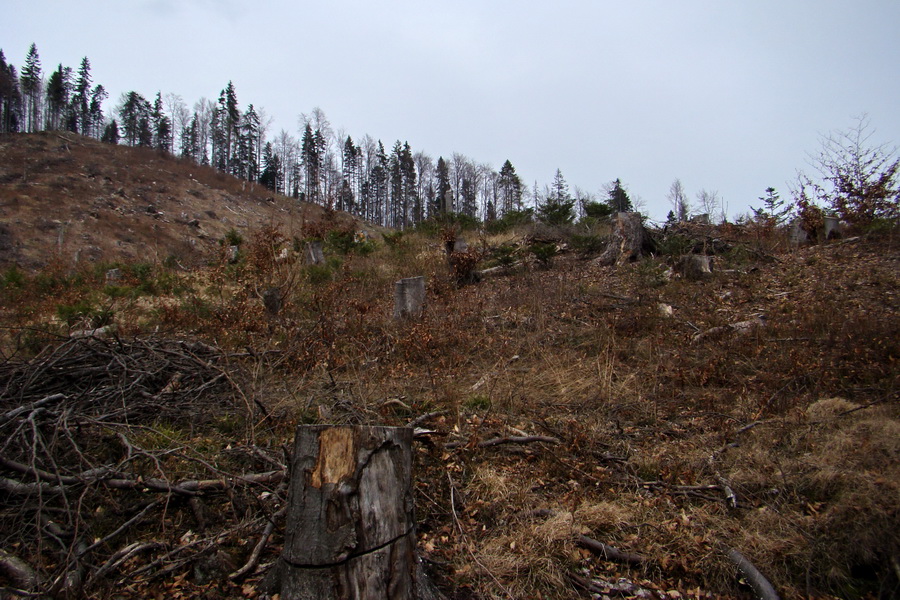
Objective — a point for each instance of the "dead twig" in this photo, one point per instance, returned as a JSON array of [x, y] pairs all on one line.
[[530, 439], [609, 552]]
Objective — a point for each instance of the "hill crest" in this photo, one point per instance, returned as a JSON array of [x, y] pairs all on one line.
[[70, 199]]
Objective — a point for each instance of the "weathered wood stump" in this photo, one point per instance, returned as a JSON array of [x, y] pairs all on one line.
[[627, 240], [409, 297], [313, 254], [832, 227], [695, 267], [350, 528]]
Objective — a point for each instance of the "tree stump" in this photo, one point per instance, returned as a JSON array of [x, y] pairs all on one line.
[[627, 240], [832, 227], [409, 297], [350, 528], [313, 254], [695, 267]]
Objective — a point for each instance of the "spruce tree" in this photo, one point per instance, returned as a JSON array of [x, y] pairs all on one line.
[[111, 133], [31, 80], [10, 97], [134, 113], [349, 174], [309, 157], [773, 211], [618, 198], [378, 185], [162, 127], [80, 109], [557, 208], [95, 113], [271, 176], [444, 197], [248, 166], [510, 188], [59, 87]]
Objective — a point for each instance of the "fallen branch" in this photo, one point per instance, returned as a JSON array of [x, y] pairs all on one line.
[[426, 417], [120, 557], [9, 416], [18, 571], [610, 553], [253, 561], [516, 439], [756, 580]]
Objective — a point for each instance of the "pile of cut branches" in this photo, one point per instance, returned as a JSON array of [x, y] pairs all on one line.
[[103, 440]]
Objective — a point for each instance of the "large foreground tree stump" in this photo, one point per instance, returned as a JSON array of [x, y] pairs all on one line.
[[350, 529]]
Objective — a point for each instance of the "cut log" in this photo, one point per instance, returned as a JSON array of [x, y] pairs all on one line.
[[409, 297], [627, 240], [350, 528]]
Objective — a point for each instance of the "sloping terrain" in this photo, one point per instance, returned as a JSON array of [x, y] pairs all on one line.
[[71, 199], [676, 421]]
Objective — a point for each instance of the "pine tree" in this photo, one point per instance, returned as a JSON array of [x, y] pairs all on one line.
[[309, 157], [80, 109], [248, 166], [411, 201], [231, 125], [218, 149], [349, 175], [773, 212], [95, 113], [618, 198], [557, 208], [378, 185], [271, 175], [162, 127], [59, 87], [397, 201], [510, 188], [10, 98], [444, 197], [111, 133], [134, 113], [31, 81], [190, 139]]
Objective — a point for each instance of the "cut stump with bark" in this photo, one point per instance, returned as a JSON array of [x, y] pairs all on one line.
[[695, 267], [350, 527], [409, 297], [627, 240], [312, 253]]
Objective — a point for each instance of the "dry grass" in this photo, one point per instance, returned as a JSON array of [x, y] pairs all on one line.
[[799, 416]]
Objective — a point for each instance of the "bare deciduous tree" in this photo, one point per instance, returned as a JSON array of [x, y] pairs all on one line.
[[710, 202], [678, 199], [858, 177]]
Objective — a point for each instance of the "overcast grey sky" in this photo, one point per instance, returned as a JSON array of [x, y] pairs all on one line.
[[725, 95]]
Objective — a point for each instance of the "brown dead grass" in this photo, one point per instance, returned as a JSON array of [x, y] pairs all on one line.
[[799, 415]]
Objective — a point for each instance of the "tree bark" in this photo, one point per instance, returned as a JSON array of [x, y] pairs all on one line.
[[627, 240], [695, 267], [350, 528], [313, 254], [409, 297]]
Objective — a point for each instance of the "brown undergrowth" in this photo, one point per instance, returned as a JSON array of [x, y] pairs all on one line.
[[758, 412]]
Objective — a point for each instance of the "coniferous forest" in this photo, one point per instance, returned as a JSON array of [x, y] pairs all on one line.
[[393, 186]]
